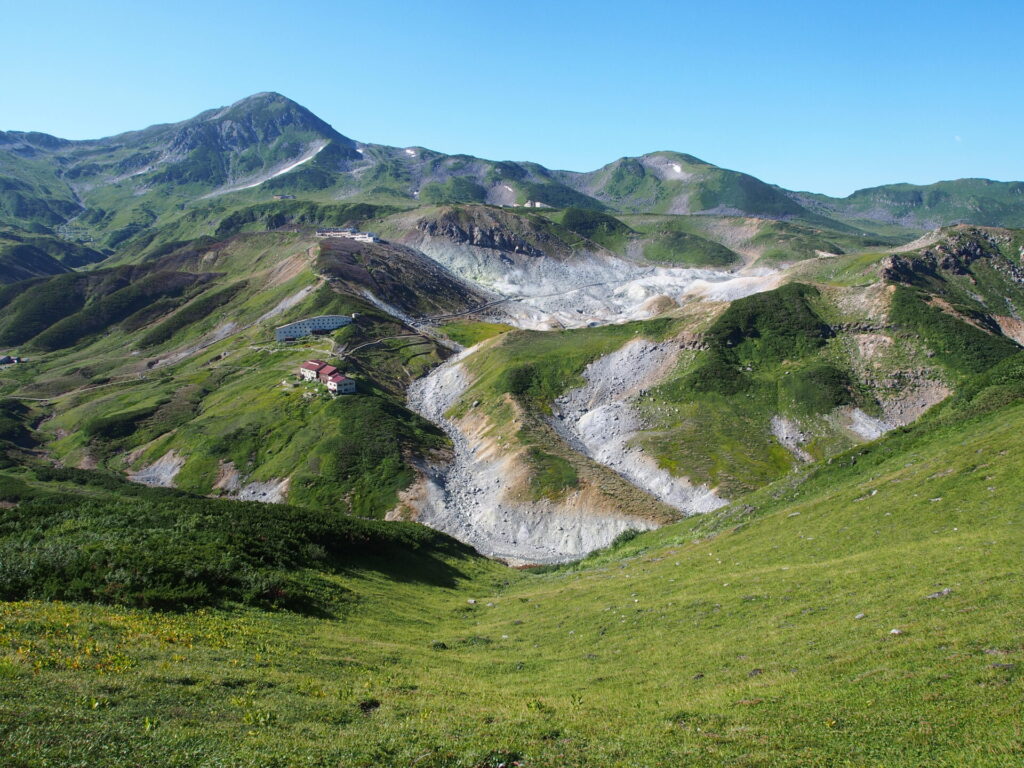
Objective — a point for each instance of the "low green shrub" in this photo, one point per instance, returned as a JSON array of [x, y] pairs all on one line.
[[180, 551], [957, 344]]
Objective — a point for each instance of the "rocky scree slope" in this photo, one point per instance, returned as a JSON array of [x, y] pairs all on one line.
[[477, 497], [551, 277], [599, 420]]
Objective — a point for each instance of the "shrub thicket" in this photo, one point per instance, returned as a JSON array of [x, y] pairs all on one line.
[[457, 189], [100, 313], [192, 312], [172, 550], [592, 224], [957, 344], [760, 330]]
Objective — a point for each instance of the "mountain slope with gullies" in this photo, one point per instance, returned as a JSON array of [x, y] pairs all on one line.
[[769, 465], [866, 609], [709, 402], [169, 372], [112, 194], [113, 188]]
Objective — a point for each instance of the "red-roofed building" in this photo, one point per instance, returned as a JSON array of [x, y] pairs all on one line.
[[325, 373], [309, 369], [341, 385]]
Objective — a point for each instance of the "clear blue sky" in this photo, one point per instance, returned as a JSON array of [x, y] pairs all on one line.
[[825, 96]]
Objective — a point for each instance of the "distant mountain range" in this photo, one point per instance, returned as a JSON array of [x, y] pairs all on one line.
[[106, 192]]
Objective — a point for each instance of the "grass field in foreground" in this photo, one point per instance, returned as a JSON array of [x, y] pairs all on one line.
[[681, 647]]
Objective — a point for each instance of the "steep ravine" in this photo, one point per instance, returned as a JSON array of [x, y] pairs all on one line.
[[599, 420], [469, 498]]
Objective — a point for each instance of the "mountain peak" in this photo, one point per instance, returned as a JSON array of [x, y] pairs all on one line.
[[266, 97]]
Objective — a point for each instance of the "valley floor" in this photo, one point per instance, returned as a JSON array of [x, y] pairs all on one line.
[[863, 613]]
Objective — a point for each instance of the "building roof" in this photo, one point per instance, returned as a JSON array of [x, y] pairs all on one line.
[[313, 365], [327, 371]]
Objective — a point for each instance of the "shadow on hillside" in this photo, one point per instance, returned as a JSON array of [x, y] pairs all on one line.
[[429, 558]]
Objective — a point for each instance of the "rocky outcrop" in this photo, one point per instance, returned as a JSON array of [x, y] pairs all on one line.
[[954, 254], [494, 236]]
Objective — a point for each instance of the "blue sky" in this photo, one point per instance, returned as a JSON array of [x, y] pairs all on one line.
[[824, 96]]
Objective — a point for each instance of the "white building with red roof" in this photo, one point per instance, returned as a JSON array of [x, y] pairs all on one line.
[[326, 372], [311, 368], [340, 384]]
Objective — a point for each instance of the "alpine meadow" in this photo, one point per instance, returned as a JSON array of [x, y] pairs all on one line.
[[326, 453]]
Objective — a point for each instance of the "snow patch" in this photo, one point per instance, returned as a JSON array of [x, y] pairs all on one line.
[[308, 155], [665, 168]]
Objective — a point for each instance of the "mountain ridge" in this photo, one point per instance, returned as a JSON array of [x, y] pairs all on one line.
[[112, 188]]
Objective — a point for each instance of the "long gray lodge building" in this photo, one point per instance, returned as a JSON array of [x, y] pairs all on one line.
[[311, 325]]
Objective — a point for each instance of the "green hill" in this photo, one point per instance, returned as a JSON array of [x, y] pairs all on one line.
[[176, 357], [113, 192], [861, 610], [854, 400], [963, 201]]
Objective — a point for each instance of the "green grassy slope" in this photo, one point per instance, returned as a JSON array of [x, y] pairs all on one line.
[[730, 639], [665, 181], [972, 201], [131, 375], [25, 254]]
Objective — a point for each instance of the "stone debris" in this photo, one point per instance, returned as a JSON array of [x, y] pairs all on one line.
[[467, 498], [161, 473], [600, 421], [557, 287], [791, 437]]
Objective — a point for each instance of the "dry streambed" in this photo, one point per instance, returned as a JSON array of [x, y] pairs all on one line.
[[600, 420], [472, 498]]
